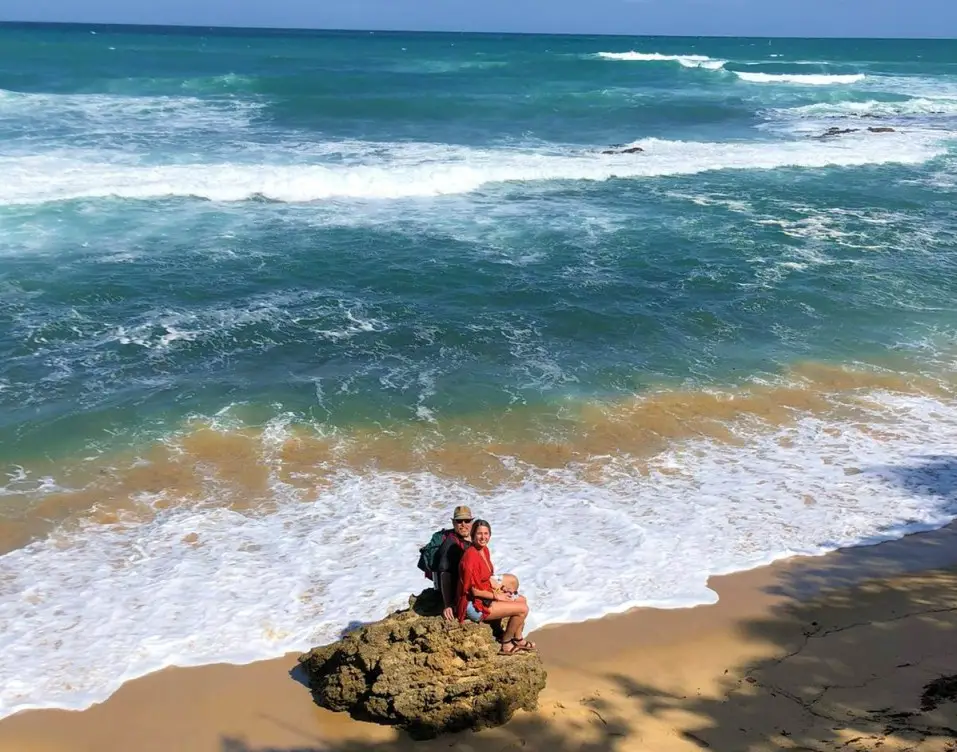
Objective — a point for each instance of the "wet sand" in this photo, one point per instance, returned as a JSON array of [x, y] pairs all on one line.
[[824, 653]]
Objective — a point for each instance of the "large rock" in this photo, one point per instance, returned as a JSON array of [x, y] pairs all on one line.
[[415, 670]]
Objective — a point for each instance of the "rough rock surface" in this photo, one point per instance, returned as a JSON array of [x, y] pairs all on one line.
[[415, 670]]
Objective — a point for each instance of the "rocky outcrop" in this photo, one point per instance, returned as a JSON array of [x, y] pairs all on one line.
[[622, 149], [415, 670], [831, 132], [835, 131]]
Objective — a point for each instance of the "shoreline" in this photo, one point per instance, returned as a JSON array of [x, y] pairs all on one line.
[[613, 679], [660, 524]]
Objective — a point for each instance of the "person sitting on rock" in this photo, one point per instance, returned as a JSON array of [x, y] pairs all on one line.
[[450, 555], [479, 602]]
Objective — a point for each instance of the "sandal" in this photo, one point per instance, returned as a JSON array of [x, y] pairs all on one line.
[[523, 644], [513, 651]]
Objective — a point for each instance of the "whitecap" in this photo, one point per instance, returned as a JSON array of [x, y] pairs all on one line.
[[131, 112], [802, 79], [910, 107], [687, 61], [422, 170]]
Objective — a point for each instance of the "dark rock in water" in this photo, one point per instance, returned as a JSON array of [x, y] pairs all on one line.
[[627, 150], [415, 670], [835, 131]]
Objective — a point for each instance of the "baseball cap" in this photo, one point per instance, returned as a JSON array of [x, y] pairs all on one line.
[[462, 513]]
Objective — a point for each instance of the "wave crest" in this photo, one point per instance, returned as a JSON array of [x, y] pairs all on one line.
[[873, 108], [803, 79], [117, 110], [424, 170], [686, 61]]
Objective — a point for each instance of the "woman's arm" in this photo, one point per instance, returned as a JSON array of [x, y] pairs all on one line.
[[487, 594]]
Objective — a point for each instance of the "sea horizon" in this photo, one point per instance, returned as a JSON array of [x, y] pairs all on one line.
[[293, 31]]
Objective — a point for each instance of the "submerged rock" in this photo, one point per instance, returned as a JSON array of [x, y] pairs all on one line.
[[621, 149], [835, 131], [417, 671]]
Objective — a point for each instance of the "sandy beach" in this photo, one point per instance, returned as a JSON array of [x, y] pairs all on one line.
[[827, 653]]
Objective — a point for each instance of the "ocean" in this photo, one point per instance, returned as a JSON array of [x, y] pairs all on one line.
[[273, 302]]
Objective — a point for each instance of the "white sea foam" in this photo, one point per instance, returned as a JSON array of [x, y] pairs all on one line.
[[20, 482], [157, 331], [117, 112], [429, 170], [937, 87], [823, 228], [909, 107], [802, 79], [91, 608], [687, 61]]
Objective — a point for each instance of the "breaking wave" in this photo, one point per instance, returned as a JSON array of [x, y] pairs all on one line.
[[802, 79], [426, 170], [185, 572], [121, 112], [686, 61], [873, 108]]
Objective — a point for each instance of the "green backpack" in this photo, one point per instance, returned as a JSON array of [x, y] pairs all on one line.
[[429, 553]]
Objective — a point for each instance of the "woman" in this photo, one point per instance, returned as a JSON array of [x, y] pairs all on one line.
[[477, 600]]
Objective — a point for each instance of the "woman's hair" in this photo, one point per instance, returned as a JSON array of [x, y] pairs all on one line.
[[476, 525]]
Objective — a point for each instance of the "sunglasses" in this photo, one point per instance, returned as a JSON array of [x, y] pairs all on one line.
[[462, 522]]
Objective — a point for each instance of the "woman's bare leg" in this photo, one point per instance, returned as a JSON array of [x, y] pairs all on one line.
[[515, 612], [514, 628]]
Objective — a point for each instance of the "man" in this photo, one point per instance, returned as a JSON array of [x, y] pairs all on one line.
[[449, 556]]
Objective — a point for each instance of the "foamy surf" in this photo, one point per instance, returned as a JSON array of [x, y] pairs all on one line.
[[123, 112], [872, 108], [686, 61], [197, 583], [801, 79], [438, 170]]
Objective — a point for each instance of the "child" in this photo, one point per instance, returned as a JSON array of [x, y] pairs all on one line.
[[507, 584]]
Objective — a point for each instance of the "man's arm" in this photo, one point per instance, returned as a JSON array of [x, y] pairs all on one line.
[[446, 580], [445, 584]]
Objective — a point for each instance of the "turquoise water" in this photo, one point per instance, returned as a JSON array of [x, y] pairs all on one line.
[[308, 234], [195, 218]]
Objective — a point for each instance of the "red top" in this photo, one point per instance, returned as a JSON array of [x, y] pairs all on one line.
[[475, 571]]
